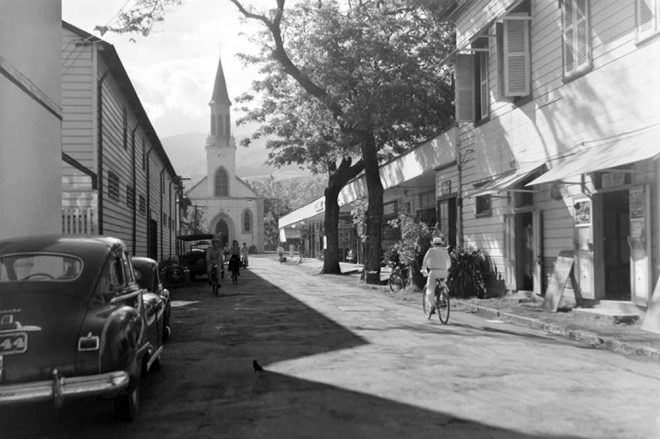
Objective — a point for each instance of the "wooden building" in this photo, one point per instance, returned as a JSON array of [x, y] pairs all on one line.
[[30, 118], [557, 108], [116, 179]]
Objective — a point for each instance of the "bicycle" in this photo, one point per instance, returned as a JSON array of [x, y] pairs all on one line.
[[234, 267], [215, 282], [398, 279], [441, 305]]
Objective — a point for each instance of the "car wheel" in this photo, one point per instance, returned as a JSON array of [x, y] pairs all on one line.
[[128, 403]]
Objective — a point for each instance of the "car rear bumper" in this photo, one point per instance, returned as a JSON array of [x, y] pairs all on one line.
[[60, 388]]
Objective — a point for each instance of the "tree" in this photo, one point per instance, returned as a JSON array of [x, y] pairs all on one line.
[[374, 65], [306, 135]]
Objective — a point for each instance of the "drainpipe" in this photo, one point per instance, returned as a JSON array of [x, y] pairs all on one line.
[[99, 152], [134, 237], [148, 216], [169, 201], [459, 201], [162, 189]]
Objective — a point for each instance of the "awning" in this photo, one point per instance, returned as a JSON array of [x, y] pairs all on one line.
[[621, 151], [507, 181]]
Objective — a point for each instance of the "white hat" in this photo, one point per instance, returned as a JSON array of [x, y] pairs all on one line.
[[438, 240]]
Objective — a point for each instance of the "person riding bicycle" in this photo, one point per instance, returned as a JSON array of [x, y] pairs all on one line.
[[435, 265], [244, 255], [234, 257], [214, 256]]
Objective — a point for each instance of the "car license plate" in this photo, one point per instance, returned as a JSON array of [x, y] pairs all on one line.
[[15, 343]]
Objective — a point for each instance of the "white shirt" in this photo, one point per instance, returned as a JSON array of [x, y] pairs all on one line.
[[438, 261]]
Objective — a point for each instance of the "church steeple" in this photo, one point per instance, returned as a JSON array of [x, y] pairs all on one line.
[[220, 103]]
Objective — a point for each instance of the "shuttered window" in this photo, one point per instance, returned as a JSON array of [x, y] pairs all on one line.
[[576, 36], [647, 17], [516, 56], [483, 84], [464, 78], [113, 185]]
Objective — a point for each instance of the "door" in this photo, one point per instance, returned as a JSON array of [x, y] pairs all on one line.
[[537, 233], [640, 244], [510, 252], [584, 247], [525, 253], [615, 248], [222, 229]]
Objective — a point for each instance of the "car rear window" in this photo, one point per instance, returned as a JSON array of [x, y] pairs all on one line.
[[39, 267]]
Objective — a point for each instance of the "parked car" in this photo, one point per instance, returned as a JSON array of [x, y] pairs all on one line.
[[147, 274], [194, 259], [74, 322]]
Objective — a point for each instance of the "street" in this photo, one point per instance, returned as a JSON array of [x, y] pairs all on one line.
[[344, 361]]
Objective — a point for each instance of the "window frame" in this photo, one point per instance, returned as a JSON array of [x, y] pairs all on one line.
[[479, 209], [246, 219], [114, 185], [586, 66], [218, 189], [655, 22]]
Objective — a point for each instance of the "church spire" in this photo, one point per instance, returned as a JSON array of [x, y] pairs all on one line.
[[220, 95]]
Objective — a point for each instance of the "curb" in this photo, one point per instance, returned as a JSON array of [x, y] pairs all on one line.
[[579, 335]]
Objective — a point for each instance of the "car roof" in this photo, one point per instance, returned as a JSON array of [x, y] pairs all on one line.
[[141, 261], [83, 246]]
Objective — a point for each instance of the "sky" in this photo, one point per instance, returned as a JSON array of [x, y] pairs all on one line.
[[173, 68]]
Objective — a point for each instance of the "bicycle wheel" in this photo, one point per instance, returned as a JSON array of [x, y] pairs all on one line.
[[396, 282], [427, 306], [234, 276], [215, 288], [442, 304]]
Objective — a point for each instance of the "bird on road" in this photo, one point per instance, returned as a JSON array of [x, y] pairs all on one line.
[[257, 367]]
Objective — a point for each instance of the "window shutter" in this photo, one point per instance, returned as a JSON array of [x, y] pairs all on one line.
[[577, 45], [516, 58], [464, 73], [647, 17], [483, 84]]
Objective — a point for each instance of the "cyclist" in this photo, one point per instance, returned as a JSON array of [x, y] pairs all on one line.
[[435, 265], [244, 255], [234, 257], [214, 256]]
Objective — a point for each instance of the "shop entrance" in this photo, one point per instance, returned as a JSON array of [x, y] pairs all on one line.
[[616, 251]]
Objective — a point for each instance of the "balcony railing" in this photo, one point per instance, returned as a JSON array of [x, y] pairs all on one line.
[[78, 221]]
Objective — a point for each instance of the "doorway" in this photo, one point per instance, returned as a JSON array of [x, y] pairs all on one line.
[[525, 251], [222, 229], [616, 251]]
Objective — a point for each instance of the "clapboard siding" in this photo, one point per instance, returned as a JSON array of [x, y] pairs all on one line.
[[610, 99], [84, 67]]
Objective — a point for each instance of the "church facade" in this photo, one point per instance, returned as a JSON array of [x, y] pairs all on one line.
[[231, 209]]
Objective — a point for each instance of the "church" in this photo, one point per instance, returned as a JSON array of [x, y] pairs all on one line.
[[232, 210]]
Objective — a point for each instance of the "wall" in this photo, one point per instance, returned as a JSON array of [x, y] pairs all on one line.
[[30, 154]]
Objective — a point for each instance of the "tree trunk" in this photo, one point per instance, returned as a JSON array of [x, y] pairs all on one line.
[[337, 179], [374, 214], [331, 229]]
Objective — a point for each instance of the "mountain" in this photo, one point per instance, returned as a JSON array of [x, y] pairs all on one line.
[[188, 156]]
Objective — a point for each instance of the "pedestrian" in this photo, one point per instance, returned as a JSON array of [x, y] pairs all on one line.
[[244, 255], [214, 256]]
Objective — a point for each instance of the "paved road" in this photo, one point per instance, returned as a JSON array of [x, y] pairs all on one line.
[[344, 361]]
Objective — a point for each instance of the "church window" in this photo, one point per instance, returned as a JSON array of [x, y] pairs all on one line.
[[213, 132], [221, 183], [219, 126], [247, 221]]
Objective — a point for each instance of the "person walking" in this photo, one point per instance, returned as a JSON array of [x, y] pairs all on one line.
[[214, 256], [244, 255]]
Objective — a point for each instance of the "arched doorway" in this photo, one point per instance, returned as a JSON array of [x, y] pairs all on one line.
[[222, 229]]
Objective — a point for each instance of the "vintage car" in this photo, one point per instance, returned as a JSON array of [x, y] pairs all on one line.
[[194, 255], [147, 275], [74, 322]]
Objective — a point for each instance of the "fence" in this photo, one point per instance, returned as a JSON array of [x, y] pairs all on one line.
[[78, 221]]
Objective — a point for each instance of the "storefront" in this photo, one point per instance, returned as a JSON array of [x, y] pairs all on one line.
[[615, 212]]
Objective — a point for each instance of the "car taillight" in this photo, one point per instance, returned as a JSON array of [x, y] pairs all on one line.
[[88, 343]]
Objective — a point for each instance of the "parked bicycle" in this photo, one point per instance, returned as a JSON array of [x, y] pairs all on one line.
[[441, 302], [398, 279]]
